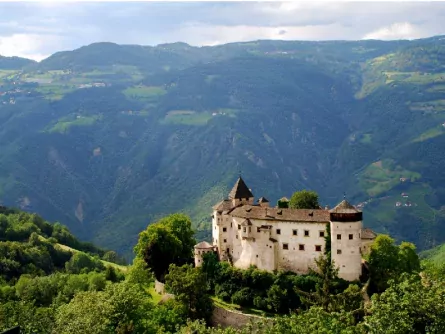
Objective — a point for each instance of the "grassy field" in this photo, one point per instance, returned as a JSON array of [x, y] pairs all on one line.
[[64, 124], [428, 106], [234, 307], [144, 93], [382, 176], [187, 117], [366, 138], [6, 74], [55, 91], [156, 297], [431, 133], [106, 263]]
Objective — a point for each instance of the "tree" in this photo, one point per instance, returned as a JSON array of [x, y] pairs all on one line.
[[388, 261], [188, 286], [121, 308], [304, 199], [410, 306], [81, 262], [168, 241]]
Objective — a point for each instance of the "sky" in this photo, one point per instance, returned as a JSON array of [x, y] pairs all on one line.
[[38, 29]]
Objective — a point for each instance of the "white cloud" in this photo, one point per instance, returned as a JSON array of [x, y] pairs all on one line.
[[199, 34], [23, 45], [404, 30]]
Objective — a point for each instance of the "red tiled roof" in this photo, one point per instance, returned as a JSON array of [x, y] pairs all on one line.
[[283, 214]]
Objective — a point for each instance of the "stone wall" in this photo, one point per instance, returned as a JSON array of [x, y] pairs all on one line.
[[226, 318], [159, 287], [220, 316]]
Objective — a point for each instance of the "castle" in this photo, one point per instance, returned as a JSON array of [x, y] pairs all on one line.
[[273, 238]]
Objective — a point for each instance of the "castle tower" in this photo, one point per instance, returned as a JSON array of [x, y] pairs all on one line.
[[223, 231], [200, 249], [346, 225], [240, 193]]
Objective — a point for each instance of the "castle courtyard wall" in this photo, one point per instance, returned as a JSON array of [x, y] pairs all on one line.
[[266, 248]]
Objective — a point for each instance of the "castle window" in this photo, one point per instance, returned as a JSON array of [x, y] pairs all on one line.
[[338, 251], [250, 229], [244, 229], [306, 233], [224, 229], [318, 248], [258, 229], [285, 246], [351, 236], [338, 236], [257, 255], [294, 232], [199, 261], [253, 239], [301, 247], [230, 224], [225, 240], [237, 236], [278, 231], [239, 227], [321, 234]]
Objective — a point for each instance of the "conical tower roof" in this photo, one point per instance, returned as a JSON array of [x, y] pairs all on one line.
[[344, 207], [240, 190]]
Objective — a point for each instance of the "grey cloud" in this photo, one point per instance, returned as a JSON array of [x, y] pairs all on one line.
[[71, 25]]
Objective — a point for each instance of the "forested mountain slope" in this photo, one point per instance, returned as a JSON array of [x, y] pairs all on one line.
[[107, 138]]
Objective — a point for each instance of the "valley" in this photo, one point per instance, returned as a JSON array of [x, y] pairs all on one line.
[[108, 138]]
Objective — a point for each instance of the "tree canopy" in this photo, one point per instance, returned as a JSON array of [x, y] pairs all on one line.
[[304, 199], [168, 241]]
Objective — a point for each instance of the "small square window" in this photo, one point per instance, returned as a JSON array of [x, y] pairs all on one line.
[[278, 231], [321, 234], [237, 236], [301, 247], [306, 233], [338, 236], [338, 251], [294, 232], [318, 248], [239, 227], [351, 236], [225, 240], [258, 229], [285, 246], [224, 229]]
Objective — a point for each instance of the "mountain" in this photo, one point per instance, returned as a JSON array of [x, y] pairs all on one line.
[[14, 63], [108, 138]]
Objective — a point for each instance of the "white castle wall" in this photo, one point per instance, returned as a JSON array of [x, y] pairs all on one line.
[[349, 261]]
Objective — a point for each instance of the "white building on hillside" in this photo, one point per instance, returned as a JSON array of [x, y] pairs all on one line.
[[273, 238]]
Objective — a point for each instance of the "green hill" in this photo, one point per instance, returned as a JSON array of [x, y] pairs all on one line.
[[108, 137]]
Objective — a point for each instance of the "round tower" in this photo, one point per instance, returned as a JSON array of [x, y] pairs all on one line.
[[346, 225], [200, 249]]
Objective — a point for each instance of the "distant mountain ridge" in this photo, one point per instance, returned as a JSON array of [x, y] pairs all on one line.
[[14, 63], [107, 138]]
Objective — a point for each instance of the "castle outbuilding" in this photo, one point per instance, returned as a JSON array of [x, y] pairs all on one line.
[[271, 238]]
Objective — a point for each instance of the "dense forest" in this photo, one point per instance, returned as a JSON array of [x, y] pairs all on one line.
[[108, 137], [48, 287]]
